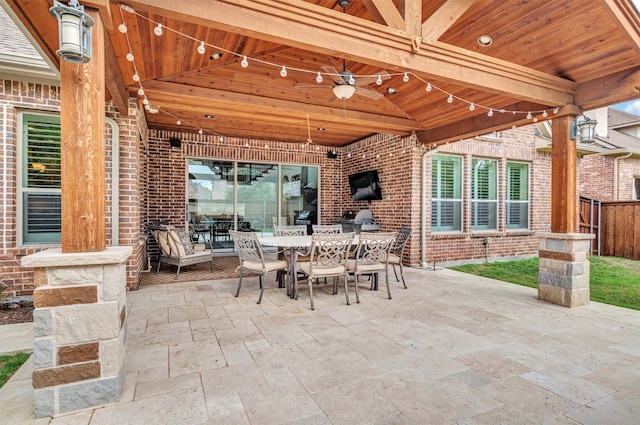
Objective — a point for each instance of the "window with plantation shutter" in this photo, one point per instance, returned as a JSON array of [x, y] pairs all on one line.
[[636, 188], [484, 194], [446, 193], [517, 202], [40, 179]]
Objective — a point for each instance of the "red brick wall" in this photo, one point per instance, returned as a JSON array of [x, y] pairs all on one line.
[[18, 96]]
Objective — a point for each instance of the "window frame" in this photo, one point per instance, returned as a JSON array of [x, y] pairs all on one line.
[[508, 202], [437, 202], [492, 187], [23, 191]]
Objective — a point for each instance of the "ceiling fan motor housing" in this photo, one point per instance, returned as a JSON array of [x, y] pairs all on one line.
[[344, 3]]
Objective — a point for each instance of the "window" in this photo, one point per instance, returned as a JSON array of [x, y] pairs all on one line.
[[484, 194], [446, 193], [517, 195], [636, 188], [40, 177]]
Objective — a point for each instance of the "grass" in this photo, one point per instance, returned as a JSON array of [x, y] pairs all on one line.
[[10, 364], [614, 281]]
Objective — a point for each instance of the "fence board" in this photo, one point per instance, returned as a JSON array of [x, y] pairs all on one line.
[[620, 231]]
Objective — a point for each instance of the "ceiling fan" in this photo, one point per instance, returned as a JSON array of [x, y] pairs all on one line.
[[345, 82]]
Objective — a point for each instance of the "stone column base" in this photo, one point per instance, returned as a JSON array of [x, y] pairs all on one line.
[[79, 325], [563, 276]]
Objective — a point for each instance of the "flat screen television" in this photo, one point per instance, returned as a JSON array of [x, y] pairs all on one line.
[[365, 186]]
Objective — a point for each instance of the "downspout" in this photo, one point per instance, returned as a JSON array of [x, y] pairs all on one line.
[[615, 174], [423, 210], [5, 178], [115, 180]]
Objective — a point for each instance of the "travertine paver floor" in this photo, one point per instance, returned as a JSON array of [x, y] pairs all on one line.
[[451, 349]]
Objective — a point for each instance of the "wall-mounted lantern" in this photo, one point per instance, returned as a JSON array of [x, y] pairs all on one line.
[[583, 129], [74, 29]]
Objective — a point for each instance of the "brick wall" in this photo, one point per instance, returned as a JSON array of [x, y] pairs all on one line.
[[19, 96]]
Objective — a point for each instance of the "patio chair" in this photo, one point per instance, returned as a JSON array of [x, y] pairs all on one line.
[[253, 259], [302, 254], [371, 258], [176, 248], [327, 258], [397, 250], [326, 228]]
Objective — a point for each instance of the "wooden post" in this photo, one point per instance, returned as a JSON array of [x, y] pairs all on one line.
[[563, 176], [82, 101]]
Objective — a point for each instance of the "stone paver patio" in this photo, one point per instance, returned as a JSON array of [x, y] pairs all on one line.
[[451, 349]]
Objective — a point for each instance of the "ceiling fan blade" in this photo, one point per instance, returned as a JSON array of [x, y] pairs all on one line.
[[333, 73], [368, 92], [384, 75], [303, 86]]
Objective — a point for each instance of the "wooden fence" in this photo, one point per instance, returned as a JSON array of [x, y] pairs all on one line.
[[616, 226]]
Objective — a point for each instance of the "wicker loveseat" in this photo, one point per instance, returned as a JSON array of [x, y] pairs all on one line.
[[177, 249]]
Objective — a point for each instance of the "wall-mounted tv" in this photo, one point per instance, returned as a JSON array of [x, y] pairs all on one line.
[[365, 186]]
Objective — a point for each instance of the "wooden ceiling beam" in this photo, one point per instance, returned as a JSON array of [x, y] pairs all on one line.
[[307, 26], [385, 12], [411, 11], [615, 88], [114, 82], [178, 93], [480, 125], [438, 23]]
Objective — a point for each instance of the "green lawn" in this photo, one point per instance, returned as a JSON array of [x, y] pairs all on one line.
[[10, 364], [614, 281]]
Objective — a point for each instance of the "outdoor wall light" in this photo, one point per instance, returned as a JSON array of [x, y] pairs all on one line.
[[344, 91], [74, 29], [583, 129]]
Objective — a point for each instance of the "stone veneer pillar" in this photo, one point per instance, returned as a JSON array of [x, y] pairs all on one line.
[[79, 326], [563, 276]]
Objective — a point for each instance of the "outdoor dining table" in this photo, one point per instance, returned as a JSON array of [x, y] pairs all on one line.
[[291, 242]]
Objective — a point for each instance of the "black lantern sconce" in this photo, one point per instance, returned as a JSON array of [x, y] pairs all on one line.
[[583, 129], [74, 29]]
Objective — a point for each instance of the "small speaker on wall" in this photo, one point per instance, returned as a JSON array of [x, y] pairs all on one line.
[[332, 154], [174, 142]]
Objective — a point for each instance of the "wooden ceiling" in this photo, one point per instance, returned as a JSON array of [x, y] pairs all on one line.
[[545, 54]]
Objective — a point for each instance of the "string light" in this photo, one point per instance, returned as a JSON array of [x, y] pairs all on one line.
[[201, 48], [200, 132], [159, 29]]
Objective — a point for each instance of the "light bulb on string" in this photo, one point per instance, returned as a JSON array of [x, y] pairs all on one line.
[[221, 139], [352, 80], [513, 127], [319, 78], [283, 71], [528, 115], [145, 101], [405, 78], [472, 106], [179, 122], [490, 113], [136, 76], [200, 132], [246, 144], [147, 107], [201, 48], [130, 56], [428, 88], [556, 110], [379, 80], [140, 91], [450, 99], [158, 30], [244, 63], [545, 114], [122, 27]]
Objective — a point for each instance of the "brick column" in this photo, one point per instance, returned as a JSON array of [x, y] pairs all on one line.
[[79, 326], [563, 276]]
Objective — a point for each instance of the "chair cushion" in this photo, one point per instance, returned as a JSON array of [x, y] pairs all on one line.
[[319, 271], [161, 237], [269, 265], [394, 259], [364, 267]]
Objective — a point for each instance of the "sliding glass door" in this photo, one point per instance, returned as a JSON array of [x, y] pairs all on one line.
[[225, 195]]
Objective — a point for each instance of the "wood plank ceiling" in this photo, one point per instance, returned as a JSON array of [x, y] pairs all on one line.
[[544, 54]]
